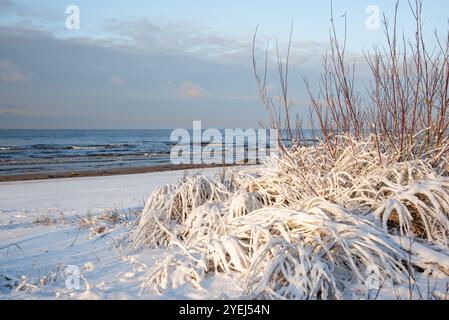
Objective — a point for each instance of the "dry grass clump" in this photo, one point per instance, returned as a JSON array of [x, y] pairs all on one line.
[[24, 283], [170, 206], [45, 220], [294, 240], [107, 220]]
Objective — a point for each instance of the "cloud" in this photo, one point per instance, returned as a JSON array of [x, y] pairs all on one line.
[[117, 80], [10, 74], [190, 90], [204, 42], [179, 37], [73, 77], [80, 77]]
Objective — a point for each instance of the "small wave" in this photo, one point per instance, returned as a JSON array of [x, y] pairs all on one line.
[[8, 148], [99, 147], [82, 148]]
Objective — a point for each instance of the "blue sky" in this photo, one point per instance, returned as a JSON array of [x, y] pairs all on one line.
[[163, 64]]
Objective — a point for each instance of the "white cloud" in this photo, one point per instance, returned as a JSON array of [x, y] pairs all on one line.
[[180, 37], [9, 73], [205, 42], [190, 90]]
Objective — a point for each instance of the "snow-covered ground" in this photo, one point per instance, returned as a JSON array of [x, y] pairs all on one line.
[[51, 229]]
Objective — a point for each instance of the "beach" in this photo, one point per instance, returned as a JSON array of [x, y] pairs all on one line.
[[77, 194]]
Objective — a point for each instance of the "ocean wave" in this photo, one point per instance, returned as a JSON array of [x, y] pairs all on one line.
[[9, 148], [101, 146], [79, 147]]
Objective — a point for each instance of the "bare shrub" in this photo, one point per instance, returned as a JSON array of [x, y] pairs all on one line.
[[405, 109]]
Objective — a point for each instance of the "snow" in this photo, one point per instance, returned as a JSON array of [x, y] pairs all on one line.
[[81, 194], [48, 226]]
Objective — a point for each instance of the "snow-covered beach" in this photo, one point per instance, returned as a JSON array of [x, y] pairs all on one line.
[[48, 225], [52, 228]]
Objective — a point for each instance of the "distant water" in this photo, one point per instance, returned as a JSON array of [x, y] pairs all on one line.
[[33, 151], [38, 151]]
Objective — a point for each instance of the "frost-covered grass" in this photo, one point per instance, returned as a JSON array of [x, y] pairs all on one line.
[[306, 225]]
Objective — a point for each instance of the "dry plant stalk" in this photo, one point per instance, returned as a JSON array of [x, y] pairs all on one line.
[[405, 109]]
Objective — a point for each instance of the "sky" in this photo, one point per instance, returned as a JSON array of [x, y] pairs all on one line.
[[163, 64]]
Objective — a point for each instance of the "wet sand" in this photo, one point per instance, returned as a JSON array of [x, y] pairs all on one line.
[[108, 172]]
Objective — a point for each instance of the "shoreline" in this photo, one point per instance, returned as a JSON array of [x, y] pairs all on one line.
[[108, 172]]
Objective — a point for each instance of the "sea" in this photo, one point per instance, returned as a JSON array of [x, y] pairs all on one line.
[[26, 151]]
